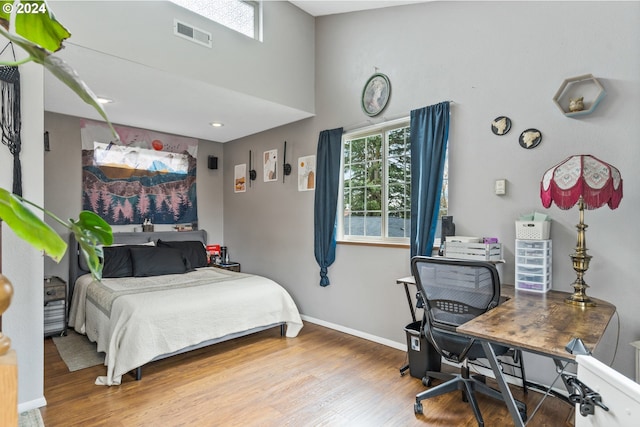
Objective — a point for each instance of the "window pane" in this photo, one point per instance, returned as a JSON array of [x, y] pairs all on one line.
[[399, 170], [399, 224], [354, 224], [398, 142], [357, 175], [374, 173], [398, 198], [373, 224], [357, 150], [374, 198], [374, 147], [357, 199]]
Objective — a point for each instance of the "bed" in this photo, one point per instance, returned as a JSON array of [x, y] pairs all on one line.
[[157, 300]]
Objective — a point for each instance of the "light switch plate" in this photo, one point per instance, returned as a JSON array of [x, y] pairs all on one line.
[[501, 187]]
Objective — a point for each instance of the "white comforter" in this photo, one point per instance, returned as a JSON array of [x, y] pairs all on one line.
[[173, 312]]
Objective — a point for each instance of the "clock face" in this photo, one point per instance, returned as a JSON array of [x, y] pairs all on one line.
[[375, 94]]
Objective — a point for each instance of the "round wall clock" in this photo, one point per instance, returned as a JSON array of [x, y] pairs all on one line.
[[375, 94]]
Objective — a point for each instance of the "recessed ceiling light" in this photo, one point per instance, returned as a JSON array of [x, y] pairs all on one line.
[[102, 100], [217, 124]]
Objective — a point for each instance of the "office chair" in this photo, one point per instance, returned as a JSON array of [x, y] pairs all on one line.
[[455, 291]]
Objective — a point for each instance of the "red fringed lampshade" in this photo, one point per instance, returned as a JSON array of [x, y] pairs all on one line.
[[597, 182]]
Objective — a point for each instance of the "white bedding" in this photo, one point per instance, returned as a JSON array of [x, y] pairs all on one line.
[[174, 312]]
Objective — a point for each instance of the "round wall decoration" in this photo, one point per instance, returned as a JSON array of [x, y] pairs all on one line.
[[375, 94], [530, 138], [501, 125]]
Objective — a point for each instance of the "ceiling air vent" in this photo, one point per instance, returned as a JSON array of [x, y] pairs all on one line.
[[192, 33]]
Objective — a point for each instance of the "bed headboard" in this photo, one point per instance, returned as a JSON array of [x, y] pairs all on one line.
[[128, 238]]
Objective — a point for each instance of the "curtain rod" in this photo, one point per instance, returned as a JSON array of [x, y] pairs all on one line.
[[360, 125]]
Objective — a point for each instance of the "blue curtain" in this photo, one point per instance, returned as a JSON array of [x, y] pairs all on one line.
[[326, 199], [429, 134]]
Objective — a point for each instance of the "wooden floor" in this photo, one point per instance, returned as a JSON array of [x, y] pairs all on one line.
[[321, 378]]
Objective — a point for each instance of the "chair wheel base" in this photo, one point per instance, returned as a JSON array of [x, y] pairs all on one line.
[[417, 408], [426, 381]]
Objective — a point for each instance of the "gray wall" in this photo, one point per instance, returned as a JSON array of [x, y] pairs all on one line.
[[491, 59], [279, 69]]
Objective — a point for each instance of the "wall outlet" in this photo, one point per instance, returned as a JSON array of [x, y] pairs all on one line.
[[501, 187]]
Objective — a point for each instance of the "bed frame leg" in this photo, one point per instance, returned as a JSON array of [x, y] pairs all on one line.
[[283, 330], [138, 373]]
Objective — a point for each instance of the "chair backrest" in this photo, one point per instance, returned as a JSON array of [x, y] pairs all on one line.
[[454, 291]]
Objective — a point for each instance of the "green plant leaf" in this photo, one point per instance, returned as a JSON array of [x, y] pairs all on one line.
[[29, 227], [92, 232], [41, 28], [37, 23]]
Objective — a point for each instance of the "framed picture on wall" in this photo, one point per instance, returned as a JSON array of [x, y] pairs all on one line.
[[375, 94], [307, 173], [240, 178], [270, 165]]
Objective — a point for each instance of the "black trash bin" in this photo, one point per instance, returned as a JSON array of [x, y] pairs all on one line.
[[423, 356]]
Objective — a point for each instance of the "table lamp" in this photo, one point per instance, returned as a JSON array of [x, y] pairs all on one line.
[[590, 183]]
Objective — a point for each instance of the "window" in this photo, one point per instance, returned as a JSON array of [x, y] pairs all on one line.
[[376, 185], [240, 16]]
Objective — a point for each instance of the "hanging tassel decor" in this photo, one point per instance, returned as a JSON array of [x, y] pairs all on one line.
[[10, 118]]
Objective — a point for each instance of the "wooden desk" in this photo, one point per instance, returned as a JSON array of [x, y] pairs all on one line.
[[539, 323]]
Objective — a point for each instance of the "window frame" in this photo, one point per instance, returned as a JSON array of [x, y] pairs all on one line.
[[256, 5], [381, 240], [383, 128]]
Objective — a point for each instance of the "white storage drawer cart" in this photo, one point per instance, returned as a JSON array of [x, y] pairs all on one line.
[[533, 265]]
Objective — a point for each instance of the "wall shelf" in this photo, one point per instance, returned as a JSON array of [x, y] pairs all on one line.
[[586, 86]]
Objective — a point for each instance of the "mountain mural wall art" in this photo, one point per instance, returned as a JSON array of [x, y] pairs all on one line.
[[145, 175]]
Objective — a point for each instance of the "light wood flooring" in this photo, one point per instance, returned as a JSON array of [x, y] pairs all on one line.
[[321, 378]]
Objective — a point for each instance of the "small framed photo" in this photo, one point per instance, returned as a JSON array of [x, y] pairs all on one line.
[[307, 173], [376, 94], [240, 178], [270, 163]]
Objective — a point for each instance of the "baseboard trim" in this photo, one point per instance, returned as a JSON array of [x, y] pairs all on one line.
[[32, 404], [356, 333]]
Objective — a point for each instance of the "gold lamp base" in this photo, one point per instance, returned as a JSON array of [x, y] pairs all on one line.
[[580, 299], [580, 261]]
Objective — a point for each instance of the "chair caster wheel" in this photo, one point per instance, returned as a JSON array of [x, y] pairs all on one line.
[[417, 408], [426, 381]]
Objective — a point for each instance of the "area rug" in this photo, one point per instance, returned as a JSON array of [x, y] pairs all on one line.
[[31, 418], [77, 351]]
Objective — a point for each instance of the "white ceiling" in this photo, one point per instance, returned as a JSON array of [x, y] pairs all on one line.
[[149, 98]]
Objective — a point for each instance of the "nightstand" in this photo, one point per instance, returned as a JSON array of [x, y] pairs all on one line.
[[231, 266], [55, 306]]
